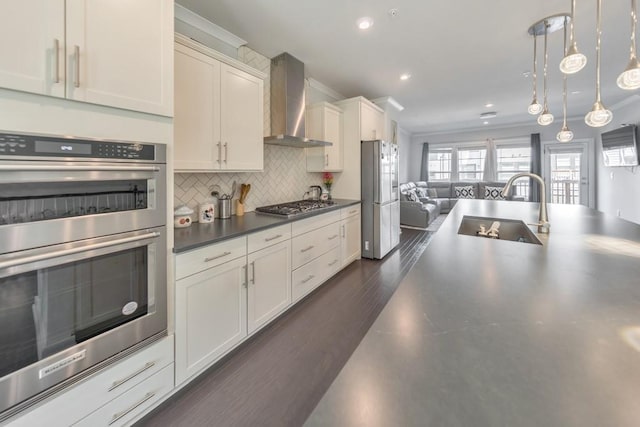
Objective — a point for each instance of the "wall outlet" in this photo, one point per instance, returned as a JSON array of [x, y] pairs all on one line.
[[617, 212], [366, 245], [611, 176]]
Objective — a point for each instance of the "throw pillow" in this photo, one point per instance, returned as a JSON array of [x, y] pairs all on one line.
[[493, 193], [432, 193], [464, 192], [412, 196], [421, 192]]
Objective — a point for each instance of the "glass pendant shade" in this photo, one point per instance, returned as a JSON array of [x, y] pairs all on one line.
[[573, 62], [629, 79], [545, 119], [598, 116], [565, 135], [535, 107]]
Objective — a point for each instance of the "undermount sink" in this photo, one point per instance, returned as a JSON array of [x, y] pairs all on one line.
[[497, 228]]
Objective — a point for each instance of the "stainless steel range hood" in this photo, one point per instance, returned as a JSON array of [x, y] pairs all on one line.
[[288, 104]]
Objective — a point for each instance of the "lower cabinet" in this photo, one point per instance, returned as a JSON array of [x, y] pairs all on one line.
[[269, 289], [211, 316], [351, 242], [313, 274]]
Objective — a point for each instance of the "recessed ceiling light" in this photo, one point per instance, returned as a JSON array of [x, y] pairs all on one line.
[[365, 23], [488, 105], [485, 122], [405, 76], [488, 115]]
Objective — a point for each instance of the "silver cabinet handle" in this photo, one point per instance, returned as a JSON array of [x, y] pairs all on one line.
[[65, 252], [308, 278], [353, 211], [343, 231], [64, 168], [268, 239], [56, 61], [76, 58], [213, 258], [245, 274], [226, 152], [118, 383], [333, 262], [119, 415], [326, 160], [333, 237], [306, 249], [219, 153], [253, 272]]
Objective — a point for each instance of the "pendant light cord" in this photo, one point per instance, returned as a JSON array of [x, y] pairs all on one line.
[[634, 22], [599, 34], [535, 66], [572, 35], [564, 76], [546, 57]]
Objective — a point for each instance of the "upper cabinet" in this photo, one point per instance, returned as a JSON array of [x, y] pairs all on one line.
[[371, 121], [324, 123], [219, 120], [116, 53]]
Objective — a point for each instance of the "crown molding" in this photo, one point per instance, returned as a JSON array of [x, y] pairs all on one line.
[[191, 18], [324, 89], [388, 100]]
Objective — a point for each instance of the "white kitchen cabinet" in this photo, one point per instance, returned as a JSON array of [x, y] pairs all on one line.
[[324, 122], [82, 400], [269, 289], [211, 315], [116, 53], [311, 275], [218, 123], [350, 231], [371, 121]]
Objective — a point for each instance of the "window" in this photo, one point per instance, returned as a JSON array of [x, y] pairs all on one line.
[[440, 165], [471, 163], [513, 159]]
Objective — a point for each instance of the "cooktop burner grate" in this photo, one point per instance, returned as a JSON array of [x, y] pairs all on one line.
[[298, 207]]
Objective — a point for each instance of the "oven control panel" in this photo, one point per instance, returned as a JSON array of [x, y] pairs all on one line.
[[46, 146]]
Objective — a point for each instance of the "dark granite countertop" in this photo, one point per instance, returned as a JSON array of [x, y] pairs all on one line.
[[221, 229], [484, 332]]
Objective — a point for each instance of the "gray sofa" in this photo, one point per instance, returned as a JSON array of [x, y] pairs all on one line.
[[419, 212]]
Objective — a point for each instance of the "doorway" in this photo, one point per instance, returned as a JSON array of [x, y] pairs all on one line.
[[567, 173]]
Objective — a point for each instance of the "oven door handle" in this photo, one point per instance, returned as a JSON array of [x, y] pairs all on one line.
[[65, 252], [68, 168]]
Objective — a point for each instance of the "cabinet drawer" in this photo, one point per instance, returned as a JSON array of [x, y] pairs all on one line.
[[308, 224], [350, 211], [263, 239], [105, 386], [310, 276], [306, 247], [201, 259], [130, 405]]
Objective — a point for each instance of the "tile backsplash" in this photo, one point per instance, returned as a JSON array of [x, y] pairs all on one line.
[[285, 178]]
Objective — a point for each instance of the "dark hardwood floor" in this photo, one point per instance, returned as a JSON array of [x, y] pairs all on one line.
[[278, 376]]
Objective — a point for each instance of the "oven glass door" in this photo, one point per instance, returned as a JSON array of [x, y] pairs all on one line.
[[59, 298]]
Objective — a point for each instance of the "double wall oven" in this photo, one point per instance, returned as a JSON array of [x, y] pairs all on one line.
[[82, 259]]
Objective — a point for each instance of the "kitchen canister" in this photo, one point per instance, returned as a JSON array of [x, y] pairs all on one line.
[[224, 208], [182, 217], [206, 211]]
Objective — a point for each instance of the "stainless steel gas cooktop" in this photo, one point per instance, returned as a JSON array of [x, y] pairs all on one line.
[[291, 209]]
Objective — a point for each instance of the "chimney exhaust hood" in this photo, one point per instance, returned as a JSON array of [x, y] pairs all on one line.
[[288, 104]]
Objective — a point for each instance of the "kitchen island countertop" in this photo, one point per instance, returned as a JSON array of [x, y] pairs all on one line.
[[198, 235], [483, 332]]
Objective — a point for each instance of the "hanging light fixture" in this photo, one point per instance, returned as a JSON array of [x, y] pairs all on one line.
[[535, 108], [598, 116], [565, 135], [629, 79], [546, 118], [573, 60]]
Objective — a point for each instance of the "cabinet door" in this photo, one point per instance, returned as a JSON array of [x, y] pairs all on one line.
[[350, 229], [120, 54], [196, 125], [333, 134], [269, 284], [211, 316], [32, 48], [242, 121], [371, 123]]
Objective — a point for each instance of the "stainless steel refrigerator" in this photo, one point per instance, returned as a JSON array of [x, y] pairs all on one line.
[[379, 193]]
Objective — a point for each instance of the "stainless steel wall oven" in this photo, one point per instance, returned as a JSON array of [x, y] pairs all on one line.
[[82, 259]]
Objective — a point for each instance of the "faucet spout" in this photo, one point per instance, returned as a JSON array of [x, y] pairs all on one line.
[[543, 218]]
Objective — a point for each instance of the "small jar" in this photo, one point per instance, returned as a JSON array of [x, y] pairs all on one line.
[[206, 211], [182, 217]]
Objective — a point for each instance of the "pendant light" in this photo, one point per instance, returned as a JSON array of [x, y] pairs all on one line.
[[565, 135], [598, 116], [535, 108], [573, 60], [629, 79], [546, 118]]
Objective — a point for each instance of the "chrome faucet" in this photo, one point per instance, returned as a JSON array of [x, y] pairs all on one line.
[[543, 219]]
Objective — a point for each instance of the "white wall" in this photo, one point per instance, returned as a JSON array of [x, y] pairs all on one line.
[[618, 188], [405, 146]]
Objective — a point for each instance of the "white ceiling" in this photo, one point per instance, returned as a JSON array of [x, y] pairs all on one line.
[[461, 54]]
